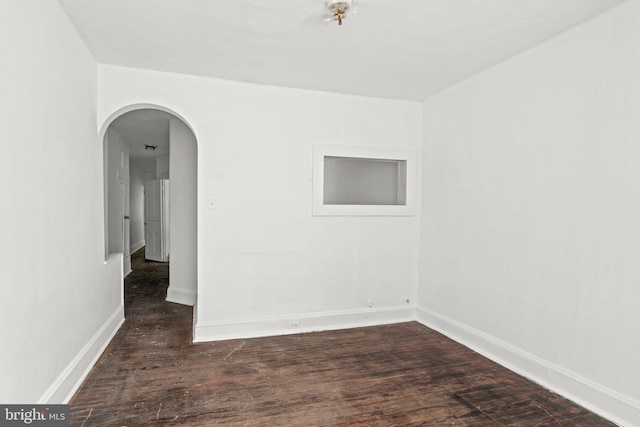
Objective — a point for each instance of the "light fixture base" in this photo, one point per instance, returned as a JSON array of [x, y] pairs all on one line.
[[339, 9], [338, 6]]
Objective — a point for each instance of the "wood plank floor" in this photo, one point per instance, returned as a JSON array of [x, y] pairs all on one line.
[[396, 375]]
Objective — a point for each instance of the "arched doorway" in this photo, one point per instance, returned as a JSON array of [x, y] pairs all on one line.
[[144, 143]]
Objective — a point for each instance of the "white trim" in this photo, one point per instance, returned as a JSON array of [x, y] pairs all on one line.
[[284, 325], [406, 154], [113, 257], [126, 260], [599, 399], [180, 296], [137, 246], [71, 378]]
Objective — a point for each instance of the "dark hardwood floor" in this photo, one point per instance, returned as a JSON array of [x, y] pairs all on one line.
[[400, 375]]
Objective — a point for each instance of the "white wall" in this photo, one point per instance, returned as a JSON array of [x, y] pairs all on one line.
[[529, 242], [531, 205], [60, 301], [183, 216], [149, 175], [263, 261], [162, 167], [136, 206]]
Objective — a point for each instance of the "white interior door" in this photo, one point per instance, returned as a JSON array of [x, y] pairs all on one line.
[[126, 224], [153, 218]]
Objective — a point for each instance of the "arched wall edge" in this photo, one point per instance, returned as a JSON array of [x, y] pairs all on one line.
[[126, 109], [141, 106]]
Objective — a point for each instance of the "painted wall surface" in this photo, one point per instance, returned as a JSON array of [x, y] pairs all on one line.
[[264, 262], [162, 167], [60, 300], [149, 175], [183, 214], [531, 187], [136, 205]]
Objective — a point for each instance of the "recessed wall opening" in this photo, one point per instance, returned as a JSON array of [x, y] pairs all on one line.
[[350, 180], [362, 181]]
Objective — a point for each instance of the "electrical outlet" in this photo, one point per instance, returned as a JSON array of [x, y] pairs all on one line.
[[294, 324], [369, 303]]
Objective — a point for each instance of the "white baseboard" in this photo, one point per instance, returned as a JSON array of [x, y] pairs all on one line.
[[286, 325], [180, 296], [136, 247], [64, 387], [605, 402], [126, 259]]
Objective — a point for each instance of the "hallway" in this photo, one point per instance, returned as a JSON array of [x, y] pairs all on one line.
[[404, 374], [125, 386]]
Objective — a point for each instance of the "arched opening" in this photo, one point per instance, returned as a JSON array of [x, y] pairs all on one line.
[[150, 193]]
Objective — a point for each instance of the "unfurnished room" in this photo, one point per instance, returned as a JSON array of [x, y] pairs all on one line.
[[320, 212]]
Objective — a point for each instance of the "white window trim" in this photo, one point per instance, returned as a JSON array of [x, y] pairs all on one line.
[[322, 150]]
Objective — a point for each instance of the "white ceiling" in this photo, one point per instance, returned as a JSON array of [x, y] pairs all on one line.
[[403, 49], [145, 127]]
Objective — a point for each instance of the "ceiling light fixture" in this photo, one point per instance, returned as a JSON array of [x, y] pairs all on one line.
[[339, 9]]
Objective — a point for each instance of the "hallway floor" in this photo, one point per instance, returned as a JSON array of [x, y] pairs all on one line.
[[400, 375]]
